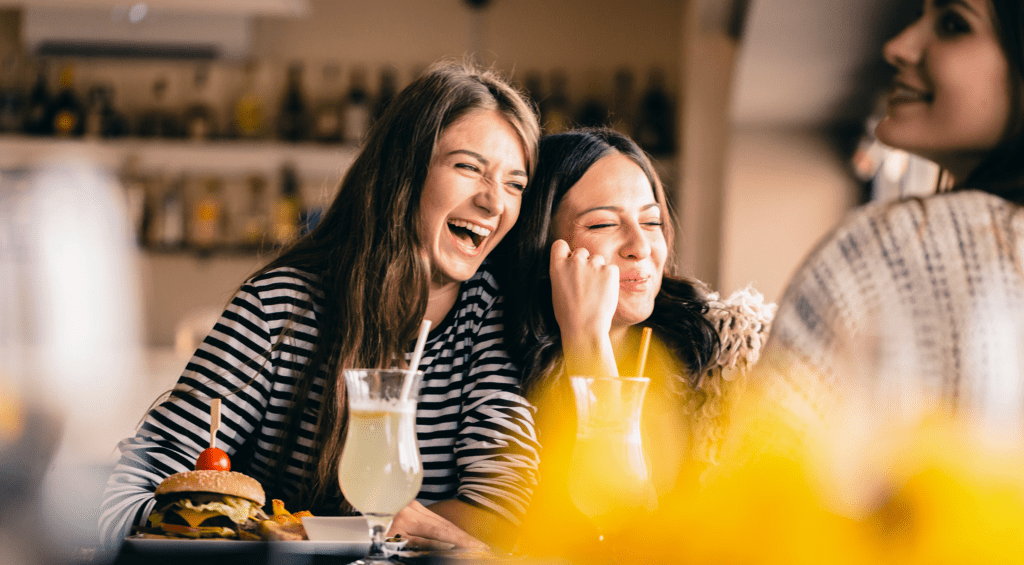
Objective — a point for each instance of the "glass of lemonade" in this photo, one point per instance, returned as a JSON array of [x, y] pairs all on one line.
[[380, 470]]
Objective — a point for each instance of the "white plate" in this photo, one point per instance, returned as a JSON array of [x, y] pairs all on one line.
[[337, 529], [193, 546]]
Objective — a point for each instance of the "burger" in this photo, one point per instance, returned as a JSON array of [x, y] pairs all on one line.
[[209, 504]]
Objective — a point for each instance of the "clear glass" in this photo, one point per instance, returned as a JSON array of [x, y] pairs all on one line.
[[609, 473], [380, 470]]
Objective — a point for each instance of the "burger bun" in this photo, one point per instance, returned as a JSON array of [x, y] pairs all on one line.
[[219, 482]]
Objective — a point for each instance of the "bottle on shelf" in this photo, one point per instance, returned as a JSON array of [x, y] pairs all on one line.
[[327, 115], [623, 106], [170, 224], [592, 111], [254, 225], [199, 119], [158, 120], [655, 122], [388, 90], [555, 110], [37, 109], [287, 210], [293, 119], [357, 112], [533, 86], [67, 111], [249, 111], [208, 216], [136, 191], [12, 98], [101, 119]]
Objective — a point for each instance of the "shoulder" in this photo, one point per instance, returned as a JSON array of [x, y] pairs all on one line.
[[482, 289], [284, 281]]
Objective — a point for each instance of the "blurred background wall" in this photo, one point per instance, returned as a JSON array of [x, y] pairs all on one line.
[[751, 108]]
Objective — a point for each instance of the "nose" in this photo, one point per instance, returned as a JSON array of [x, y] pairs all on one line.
[[488, 196], [906, 47], [635, 246]]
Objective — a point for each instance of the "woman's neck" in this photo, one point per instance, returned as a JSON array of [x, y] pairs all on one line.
[[440, 301]]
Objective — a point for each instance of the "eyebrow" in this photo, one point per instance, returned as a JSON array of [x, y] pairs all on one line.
[[484, 161], [617, 208], [939, 4]]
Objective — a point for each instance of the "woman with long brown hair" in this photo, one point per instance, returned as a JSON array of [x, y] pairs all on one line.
[[435, 188]]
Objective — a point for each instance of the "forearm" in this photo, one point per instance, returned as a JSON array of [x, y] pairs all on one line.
[[485, 526], [589, 355]]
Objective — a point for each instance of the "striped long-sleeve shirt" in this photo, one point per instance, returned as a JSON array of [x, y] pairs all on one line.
[[475, 431], [920, 299]]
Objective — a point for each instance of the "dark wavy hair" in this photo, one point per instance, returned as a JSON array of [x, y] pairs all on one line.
[[1002, 171], [367, 254], [679, 308]]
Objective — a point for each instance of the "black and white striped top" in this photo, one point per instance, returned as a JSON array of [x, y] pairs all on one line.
[[476, 432]]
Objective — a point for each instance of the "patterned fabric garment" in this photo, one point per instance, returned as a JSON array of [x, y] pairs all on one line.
[[923, 298], [475, 431]]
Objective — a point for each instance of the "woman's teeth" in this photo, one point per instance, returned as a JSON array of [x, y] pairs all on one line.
[[475, 233]]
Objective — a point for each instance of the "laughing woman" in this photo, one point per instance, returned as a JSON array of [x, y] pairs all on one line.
[[436, 187], [936, 280]]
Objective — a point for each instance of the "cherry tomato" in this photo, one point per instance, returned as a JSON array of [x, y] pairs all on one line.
[[213, 459]]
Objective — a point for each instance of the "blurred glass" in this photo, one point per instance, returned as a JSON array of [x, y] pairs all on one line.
[[610, 473]]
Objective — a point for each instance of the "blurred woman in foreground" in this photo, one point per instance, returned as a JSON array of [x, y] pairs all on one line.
[[920, 303]]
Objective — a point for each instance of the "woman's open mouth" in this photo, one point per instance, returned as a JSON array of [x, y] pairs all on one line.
[[468, 234]]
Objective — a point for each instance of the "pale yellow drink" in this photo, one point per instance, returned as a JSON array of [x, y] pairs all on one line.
[[380, 470], [609, 475]]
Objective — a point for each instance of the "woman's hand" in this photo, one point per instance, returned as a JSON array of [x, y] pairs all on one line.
[[427, 530], [584, 294]]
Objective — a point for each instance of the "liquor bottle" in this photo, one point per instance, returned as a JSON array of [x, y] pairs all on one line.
[[556, 113], [158, 120], [12, 99], [66, 111], [101, 119], [592, 112], [285, 216], [357, 108], [623, 107], [533, 86], [655, 123], [293, 119], [171, 218], [135, 190], [387, 91], [199, 120], [254, 225], [327, 115], [208, 216], [250, 112], [37, 110]]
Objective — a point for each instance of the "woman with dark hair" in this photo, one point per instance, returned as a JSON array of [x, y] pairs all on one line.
[[924, 296], [435, 188], [593, 268]]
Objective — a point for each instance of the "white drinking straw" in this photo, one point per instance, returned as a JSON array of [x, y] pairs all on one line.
[[421, 340], [417, 353]]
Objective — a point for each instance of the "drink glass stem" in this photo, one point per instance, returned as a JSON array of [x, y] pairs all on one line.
[[377, 543]]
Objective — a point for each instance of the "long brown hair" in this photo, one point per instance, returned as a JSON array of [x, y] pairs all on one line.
[[367, 254]]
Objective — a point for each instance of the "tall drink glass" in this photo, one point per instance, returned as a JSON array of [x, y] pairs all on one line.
[[380, 470], [609, 473]]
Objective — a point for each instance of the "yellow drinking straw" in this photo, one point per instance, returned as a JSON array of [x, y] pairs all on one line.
[[645, 342]]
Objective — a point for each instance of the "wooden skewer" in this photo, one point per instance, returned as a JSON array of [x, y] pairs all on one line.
[[214, 421], [645, 343]]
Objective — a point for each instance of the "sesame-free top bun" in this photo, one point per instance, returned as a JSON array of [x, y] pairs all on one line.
[[219, 482]]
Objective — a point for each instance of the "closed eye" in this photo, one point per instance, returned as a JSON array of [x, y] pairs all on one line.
[[654, 224], [599, 226], [517, 185], [468, 167]]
